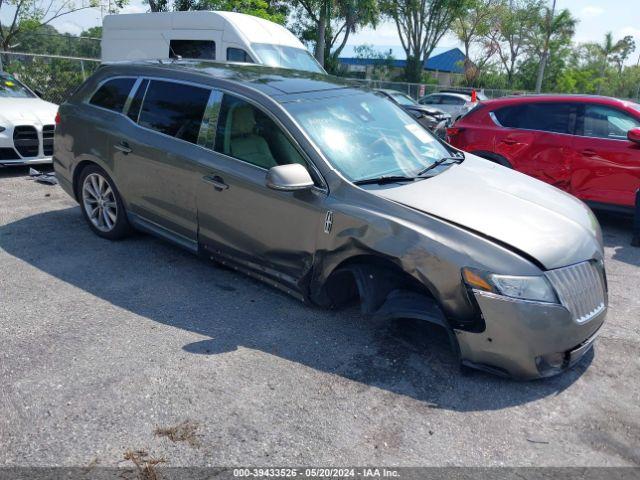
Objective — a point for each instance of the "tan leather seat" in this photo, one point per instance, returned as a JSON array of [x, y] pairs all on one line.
[[243, 142]]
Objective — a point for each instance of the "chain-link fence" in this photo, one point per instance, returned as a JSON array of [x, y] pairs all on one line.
[[54, 77], [417, 90]]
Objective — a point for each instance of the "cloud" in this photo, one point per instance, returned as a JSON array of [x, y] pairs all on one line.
[[69, 27], [133, 8], [591, 11]]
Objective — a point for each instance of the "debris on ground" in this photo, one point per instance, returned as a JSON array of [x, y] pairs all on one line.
[[43, 177], [183, 432], [145, 465]]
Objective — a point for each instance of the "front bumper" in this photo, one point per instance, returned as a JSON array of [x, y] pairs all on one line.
[[525, 339], [26, 144], [26, 161]]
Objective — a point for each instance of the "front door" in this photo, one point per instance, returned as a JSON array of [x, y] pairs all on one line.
[[271, 233], [606, 165]]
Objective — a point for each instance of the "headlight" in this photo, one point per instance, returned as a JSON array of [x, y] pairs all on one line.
[[535, 288]]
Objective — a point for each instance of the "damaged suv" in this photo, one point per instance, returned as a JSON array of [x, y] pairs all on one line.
[[336, 195]]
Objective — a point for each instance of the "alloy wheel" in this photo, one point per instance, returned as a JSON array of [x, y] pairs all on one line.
[[99, 202]]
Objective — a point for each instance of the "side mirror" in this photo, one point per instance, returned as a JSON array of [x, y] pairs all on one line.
[[289, 178], [38, 93], [633, 135]]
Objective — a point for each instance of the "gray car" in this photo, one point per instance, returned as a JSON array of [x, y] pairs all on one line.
[[334, 195]]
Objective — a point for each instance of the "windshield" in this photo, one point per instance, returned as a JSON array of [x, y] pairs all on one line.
[[365, 136], [286, 57], [403, 99], [10, 87]]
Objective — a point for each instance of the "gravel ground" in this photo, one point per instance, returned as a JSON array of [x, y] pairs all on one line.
[[104, 343]]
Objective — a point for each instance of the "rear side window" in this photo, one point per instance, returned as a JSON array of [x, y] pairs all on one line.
[[113, 94], [547, 117], [205, 49], [432, 100], [238, 55], [174, 109]]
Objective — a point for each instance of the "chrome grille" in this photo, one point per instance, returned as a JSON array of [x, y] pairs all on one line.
[[581, 289]]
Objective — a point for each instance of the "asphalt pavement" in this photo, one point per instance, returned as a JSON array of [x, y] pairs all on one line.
[[138, 345]]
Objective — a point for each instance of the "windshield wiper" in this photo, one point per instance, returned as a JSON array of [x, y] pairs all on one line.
[[385, 179], [440, 162]]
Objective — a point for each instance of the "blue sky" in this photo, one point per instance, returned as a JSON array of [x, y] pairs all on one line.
[[596, 18]]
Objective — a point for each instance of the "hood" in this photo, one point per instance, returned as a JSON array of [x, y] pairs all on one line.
[[530, 216], [17, 111], [426, 110]]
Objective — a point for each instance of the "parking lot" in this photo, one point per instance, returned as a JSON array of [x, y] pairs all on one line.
[[106, 347]]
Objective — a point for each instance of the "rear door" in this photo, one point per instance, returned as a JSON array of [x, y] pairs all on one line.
[[156, 158], [537, 139], [269, 232], [607, 165]]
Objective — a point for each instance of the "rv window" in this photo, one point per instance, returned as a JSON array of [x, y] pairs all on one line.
[[238, 55], [113, 94], [205, 49], [174, 109]]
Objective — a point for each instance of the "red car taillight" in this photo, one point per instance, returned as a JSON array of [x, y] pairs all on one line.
[[57, 118]]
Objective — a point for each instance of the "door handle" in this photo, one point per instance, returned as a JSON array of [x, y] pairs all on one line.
[[123, 147], [509, 141], [216, 181], [589, 153]]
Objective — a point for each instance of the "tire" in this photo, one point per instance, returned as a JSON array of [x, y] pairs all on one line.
[[101, 204]]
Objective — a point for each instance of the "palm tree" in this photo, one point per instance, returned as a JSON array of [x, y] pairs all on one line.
[[562, 25], [607, 51]]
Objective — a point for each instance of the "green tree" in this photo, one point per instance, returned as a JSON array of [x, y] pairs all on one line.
[[610, 51], [421, 24], [275, 11], [472, 25], [515, 20], [327, 25], [551, 32], [31, 15]]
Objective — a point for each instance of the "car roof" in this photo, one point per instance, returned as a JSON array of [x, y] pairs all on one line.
[[463, 95], [581, 98], [274, 82]]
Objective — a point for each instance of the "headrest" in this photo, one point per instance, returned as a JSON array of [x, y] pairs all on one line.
[[243, 120]]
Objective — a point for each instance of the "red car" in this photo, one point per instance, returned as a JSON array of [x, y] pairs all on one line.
[[588, 146]]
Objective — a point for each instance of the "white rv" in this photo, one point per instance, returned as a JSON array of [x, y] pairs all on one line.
[[220, 36]]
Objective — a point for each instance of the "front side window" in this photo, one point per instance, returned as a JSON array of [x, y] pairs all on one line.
[[113, 94], [431, 100], [607, 122], [238, 55], [10, 87], [204, 49], [174, 109], [246, 133], [286, 57], [365, 136]]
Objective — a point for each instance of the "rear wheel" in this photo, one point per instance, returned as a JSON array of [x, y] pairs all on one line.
[[101, 204]]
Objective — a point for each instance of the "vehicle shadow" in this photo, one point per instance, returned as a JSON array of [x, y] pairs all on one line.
[[617, 232], [173, 287]]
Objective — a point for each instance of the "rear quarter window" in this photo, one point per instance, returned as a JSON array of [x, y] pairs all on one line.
[[113, 94]]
